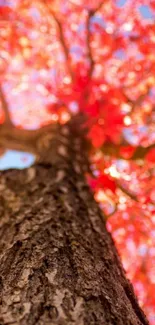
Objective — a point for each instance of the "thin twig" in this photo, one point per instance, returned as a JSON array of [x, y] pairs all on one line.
[[62, 39], [88, 42], [111, 149], [127, 192], [91, 13], [138, 101]]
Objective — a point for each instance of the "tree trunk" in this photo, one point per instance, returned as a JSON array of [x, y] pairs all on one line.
[[58, 263]]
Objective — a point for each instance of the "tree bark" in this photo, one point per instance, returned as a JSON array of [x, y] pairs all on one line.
[[58, 263]]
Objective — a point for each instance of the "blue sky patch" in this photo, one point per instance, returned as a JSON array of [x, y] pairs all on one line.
[[146, 11], [16, 159]]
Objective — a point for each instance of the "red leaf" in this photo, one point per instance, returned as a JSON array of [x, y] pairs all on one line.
[[150, 157], [127, 151], [104, 181], [97, 136], [4, 12]]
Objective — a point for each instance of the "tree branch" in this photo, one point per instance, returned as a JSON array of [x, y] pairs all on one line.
[[22, 139], [91, 13], [35, 141], [111, 149], [5, 107], [138, 101], [88, 39], [62, 39], [127, 192]]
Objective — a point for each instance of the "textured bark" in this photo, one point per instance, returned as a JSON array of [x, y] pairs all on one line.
[[58, 263]]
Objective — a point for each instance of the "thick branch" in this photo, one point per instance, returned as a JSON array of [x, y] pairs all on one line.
[[5, 107], [21, 139], [36, 141]]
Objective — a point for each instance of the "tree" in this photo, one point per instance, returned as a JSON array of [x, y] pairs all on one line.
[[85, 86]]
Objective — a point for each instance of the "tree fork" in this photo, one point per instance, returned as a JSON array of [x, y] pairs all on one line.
[[58, 263]]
